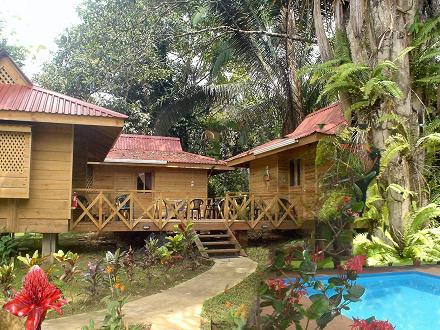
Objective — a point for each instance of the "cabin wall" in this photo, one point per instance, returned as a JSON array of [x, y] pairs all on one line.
[[304, 196], [173, 183], [47, 210], [258, 183]]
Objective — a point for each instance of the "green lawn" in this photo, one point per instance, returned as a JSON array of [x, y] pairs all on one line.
[[216, 309]]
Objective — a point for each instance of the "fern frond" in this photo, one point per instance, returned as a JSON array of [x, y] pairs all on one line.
[[396, 145], [422, 216]]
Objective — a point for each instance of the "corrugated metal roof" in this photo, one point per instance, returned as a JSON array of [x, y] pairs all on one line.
[[160, 155], [147, 143], [325, 121], [157, 148], [37, 99]]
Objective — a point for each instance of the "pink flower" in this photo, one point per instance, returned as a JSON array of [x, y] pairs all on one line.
[[36, 297], [371, 325], [356, 264]]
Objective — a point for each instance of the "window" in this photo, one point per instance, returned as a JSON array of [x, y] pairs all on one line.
[[145, 181], [295, 172]]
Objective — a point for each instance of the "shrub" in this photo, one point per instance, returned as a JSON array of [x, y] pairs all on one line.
[[8, 248], [68, 262], [94, 278], [6, 277]]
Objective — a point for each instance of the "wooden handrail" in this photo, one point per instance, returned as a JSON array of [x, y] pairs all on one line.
[[100, 208]]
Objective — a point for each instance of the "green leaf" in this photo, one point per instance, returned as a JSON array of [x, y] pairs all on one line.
[[336, 281], [315, 297], [308, 267], [200, 15], [325, 319], [356, 291], [318, 307]]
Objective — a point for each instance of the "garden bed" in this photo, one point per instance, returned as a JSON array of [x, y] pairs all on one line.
[[144, 281]]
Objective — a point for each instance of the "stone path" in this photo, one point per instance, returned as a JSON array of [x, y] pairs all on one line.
[[177, 308]]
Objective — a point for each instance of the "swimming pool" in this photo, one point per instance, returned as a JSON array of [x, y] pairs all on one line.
[[409, 300]]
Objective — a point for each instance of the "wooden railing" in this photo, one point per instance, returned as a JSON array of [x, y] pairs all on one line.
[[101, 207]]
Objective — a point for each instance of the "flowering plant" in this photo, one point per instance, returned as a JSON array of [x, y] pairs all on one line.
[[36, 297], [328, 298], [371, 324]]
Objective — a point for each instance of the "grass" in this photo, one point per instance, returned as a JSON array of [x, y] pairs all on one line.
[[161, 277], [216, 310]]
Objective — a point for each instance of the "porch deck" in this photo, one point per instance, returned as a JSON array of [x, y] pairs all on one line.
[[145, 210]]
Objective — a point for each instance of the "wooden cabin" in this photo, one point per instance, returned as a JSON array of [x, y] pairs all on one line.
[[46, 140], [282, 172], [64, 166], [145, 173]]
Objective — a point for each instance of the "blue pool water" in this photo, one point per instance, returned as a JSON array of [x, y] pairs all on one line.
[[409, 300]]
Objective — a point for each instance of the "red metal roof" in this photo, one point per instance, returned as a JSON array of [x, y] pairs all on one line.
[[147, 143], [325, 121], [36, 99], [157, 148]]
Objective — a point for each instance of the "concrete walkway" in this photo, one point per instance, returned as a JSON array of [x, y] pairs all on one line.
[[177, 308]]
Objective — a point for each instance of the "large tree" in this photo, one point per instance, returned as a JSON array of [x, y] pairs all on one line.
[[392, 51]]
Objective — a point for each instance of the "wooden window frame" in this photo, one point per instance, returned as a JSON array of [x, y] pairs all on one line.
[[295, 172], [145, 173]]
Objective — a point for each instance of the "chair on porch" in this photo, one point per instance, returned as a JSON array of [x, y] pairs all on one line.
[[196, 206], [214, 209], [124, 209]]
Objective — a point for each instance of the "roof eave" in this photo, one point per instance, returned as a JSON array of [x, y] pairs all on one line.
[[60, 118]]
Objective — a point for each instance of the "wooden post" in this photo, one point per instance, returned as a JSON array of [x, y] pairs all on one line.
[[49, 244], [252, 215], [100, 211]]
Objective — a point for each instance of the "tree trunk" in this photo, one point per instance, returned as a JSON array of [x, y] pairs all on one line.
[[293, 85], [378, 31]]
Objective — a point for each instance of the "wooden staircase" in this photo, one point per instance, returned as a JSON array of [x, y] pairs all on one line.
[[219, 243]]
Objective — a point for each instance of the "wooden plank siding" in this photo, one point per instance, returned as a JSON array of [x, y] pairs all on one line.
[[168, 183], [47, 210], [304, 196], [175, 182]]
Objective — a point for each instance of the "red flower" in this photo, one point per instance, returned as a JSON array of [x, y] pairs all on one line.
[[36, 297], [317, 255], [276, 284], [371, 325], [347, 199], [356, 264]]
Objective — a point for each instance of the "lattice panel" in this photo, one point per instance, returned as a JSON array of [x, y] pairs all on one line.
[[12, 149], [89, 177], [5, 78]]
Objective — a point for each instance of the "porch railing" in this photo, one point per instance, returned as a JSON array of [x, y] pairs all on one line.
[[103, 206]]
